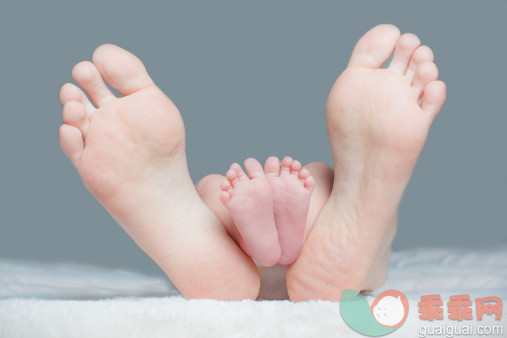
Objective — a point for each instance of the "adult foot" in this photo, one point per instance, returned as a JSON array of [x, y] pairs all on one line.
[[130, 153], [378, 120], [250, 203], [292, 188]]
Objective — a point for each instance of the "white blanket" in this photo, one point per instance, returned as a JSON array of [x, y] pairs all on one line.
[[70, 300]]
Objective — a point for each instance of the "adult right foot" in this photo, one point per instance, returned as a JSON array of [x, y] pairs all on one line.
[[130, 153], [378, 120]]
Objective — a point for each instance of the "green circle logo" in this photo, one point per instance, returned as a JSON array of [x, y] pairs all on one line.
[[386, 314]]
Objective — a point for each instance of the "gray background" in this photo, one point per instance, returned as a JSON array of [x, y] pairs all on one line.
[[250, 79]]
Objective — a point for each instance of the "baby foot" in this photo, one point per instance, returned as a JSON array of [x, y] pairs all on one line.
[[292, 189], [130, 153], [378, 120], [250, 203]]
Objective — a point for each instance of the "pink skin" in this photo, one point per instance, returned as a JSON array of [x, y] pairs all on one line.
[[273, 284], [292, 189], [250, 203], [270, 209], [130, 153]]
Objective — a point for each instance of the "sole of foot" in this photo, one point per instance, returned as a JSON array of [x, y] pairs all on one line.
[[130, 154], [292, 188], [269, 208], [378, 120], [250, 203]]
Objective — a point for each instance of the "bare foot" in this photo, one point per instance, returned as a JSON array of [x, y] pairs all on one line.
[[273, 285], [130, 153], [250, 203], [378, 120], [270, 209], [292, 189]]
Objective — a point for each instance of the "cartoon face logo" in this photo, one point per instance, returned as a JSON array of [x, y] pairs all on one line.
[[385, 315], [390, 308]]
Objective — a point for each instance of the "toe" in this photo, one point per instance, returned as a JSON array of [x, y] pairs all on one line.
[[239, 172], [433, 98], [421, 54], [405, 47], [74, 114], [253, 168], [304, 174], [310, 183], [88, 77], [121, 69], [71, 141], [225, 185], [286, 163], [295, 167], [375, 47], [272, 166], [232, 176], [225, 197], [70, 92], [425, 73]]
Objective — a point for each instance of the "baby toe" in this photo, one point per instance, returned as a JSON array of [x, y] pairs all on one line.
[[286, 164], [254, 168], [304, 174], [295, 168], [272, 166], [239, 172], [225, 185], [232, 176], [225, 197], [310, 183]]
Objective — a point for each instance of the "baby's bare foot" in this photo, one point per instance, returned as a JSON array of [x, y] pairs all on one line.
[[292, 189], [378, 120], [130, 153], [250, 203], [270, 209]]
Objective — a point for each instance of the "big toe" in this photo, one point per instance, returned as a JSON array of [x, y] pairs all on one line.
[[375, 47], [272, 166], [121, 69], [253, 168]]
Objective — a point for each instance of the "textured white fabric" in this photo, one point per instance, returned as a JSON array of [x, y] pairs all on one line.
[[70, 300]]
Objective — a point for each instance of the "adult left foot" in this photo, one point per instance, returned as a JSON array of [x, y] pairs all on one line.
[[378, 120], [130, 154]]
